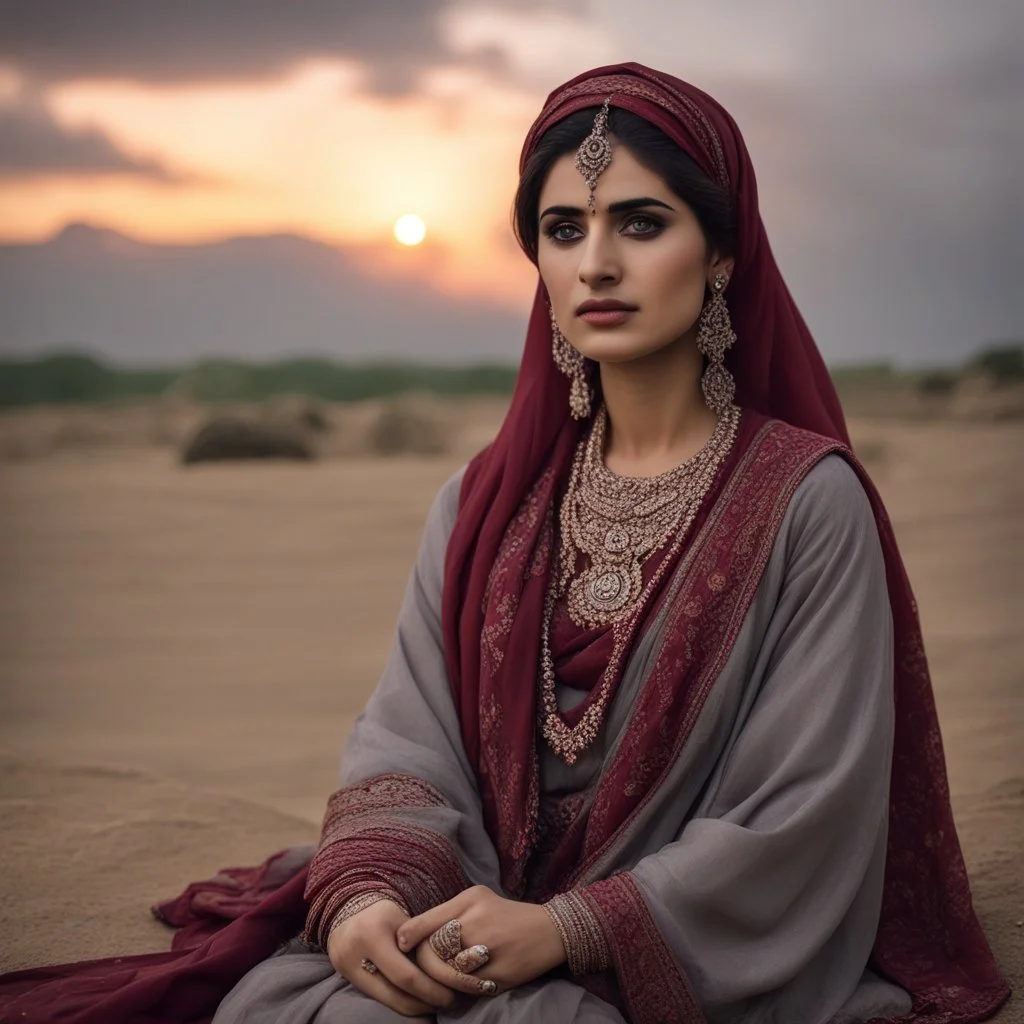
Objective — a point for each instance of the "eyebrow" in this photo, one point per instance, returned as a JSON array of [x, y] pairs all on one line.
[[623, 206]]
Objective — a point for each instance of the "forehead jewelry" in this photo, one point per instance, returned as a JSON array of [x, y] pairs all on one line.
[[595, 153]]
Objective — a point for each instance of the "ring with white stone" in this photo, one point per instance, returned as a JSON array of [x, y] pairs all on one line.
[[468, 960]]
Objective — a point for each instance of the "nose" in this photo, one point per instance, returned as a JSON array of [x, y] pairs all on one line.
[[599, 260]]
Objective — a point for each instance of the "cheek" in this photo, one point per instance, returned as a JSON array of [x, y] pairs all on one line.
[[675, 285], [558, 275]]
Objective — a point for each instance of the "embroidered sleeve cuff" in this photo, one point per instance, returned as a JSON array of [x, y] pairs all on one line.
[[586, 947], [373, 843], [355, 906]]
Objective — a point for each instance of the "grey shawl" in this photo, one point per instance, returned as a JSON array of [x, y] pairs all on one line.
[[761, 857]]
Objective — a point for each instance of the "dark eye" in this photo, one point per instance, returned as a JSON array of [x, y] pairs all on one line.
[[642, 224], [563, 232]]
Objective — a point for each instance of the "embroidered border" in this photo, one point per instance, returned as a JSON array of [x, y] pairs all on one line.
[[594, 90], [369, 845], [654, 987], [520, 562]]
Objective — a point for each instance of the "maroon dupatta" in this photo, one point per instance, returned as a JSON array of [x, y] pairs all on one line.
[[929, 939]]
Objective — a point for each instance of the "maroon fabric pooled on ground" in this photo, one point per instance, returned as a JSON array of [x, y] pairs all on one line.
[[228, 924]]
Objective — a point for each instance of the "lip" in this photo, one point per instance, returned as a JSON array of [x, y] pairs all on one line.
[[607, 317], [604, 305]]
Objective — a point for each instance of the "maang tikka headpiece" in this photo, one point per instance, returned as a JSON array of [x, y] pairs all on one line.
[[595, 153]]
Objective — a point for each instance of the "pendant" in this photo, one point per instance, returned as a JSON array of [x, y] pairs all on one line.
[[617, 540], [599, 592]]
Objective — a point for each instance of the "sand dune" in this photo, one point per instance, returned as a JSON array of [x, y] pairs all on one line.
[[89, 848], [183, 651]]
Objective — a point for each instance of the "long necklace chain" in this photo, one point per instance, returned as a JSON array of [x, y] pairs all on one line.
[[617, 522]]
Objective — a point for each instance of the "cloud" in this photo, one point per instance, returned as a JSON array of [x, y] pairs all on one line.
[[216, 39], [32, 144], [885, 145], [518, 44], [59, 40]]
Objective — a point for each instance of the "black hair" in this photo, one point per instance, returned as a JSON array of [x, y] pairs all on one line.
[[651, 147]]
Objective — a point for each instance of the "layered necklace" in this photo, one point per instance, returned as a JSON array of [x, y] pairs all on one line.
[[617, 522]]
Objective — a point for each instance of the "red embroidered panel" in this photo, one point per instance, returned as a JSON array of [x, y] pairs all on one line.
[[653, 985]]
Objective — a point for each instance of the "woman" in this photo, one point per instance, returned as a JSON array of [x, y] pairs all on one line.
[[636, 755]]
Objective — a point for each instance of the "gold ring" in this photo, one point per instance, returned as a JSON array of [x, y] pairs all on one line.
[[446, 942], [369, 966]]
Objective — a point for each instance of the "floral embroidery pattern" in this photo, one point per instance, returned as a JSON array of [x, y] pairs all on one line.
[[523, 559], [654, 987]]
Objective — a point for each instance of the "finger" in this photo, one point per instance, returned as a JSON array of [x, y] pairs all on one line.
[[470, 959], [412, 932], [410, 978], [378, 988], [447, 975]]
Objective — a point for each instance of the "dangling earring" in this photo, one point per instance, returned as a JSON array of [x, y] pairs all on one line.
[[714, 337], [570, 362]]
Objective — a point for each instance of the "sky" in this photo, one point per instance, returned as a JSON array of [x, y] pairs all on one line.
[[886, 136]]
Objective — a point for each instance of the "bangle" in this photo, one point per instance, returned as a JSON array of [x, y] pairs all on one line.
[[586, 948]]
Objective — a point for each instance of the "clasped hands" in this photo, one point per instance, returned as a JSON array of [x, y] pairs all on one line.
[[521, 939]]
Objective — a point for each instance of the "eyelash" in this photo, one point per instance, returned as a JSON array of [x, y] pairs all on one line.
[[655, 228]]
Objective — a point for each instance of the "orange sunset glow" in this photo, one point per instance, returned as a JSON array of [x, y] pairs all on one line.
[[310, 154]]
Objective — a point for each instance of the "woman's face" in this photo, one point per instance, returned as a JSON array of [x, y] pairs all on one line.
[[643, 249]]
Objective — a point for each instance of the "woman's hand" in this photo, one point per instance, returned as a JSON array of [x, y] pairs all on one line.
[[398, 983], [521, 939]]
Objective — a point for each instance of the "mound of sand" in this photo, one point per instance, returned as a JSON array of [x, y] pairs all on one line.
[[409, 425], [979, 396], [88, 849], [298, 410], [232, 438]]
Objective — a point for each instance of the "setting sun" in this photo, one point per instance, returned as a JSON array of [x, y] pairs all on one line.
[[410, 229]]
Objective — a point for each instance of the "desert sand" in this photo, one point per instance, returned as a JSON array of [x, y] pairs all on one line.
[[182, 652]]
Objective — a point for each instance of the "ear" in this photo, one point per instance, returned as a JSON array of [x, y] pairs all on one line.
[[720, 264]]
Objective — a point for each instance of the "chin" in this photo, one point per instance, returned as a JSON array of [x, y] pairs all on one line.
[[615, 347]]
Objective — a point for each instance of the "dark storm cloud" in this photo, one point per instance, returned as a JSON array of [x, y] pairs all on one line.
[[159, 41], [33, 144], [886, 140], [153, 40]]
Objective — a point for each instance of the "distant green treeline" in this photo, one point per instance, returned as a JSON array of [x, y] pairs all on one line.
[[84, 379], [81, 378]]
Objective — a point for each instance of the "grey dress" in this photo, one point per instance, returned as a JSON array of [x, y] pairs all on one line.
[[761, 858]]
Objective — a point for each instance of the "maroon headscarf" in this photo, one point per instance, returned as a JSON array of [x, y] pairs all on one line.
[[929, 939]]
